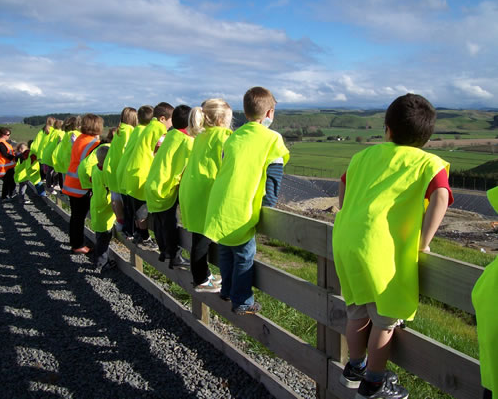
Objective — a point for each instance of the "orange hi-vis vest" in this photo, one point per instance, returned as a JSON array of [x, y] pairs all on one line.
[[82, 147], [6, 164]]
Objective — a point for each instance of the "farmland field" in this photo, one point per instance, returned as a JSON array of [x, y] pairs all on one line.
[[335, 156]]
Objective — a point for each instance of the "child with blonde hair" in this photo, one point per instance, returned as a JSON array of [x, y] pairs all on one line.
[[128, 121], [249, 177], [210, 124]]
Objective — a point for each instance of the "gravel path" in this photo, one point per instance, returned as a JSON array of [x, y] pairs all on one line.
[[69, 331]]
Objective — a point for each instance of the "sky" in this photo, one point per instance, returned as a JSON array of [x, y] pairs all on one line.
[[101, 56]]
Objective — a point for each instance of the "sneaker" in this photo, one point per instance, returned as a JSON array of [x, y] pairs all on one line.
[[148, 244], [351, 376], [215, 279], [178, 261], [385, 390], [110, 264], [208, 286], [247, 309]]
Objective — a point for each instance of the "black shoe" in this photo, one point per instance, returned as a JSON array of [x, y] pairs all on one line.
[[385, 390], [178, 261], [351, 376], [225, 298], [162, 257]]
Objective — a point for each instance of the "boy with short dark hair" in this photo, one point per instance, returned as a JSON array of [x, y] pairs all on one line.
[[161, 187], [378, 234], [249, 177]]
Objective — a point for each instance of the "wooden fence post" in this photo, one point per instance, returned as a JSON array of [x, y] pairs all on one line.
[[329, 341], [136, 261]]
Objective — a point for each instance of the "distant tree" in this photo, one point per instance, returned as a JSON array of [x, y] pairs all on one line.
[[348, 138], [359, 139]]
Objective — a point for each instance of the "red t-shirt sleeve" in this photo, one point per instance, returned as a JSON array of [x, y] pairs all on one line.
[[440, 181], [343, 178]]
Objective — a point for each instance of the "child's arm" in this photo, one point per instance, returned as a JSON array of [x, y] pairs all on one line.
[[342, 192], [433, 217]]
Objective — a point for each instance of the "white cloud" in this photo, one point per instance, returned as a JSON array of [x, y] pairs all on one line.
[[289, 96], [473, 48], [23, 87], [473, 90], [340, 97]]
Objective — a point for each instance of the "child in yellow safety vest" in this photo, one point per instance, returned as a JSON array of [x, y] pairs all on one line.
[[101, 211], [210, 124], [483, 296], [127, 226], [138, 167], [161, 187], [21, 175], [127, 123], [249, 177], [377, 237]]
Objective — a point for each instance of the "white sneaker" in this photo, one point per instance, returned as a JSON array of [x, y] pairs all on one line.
[[208, 286], [215, 279]]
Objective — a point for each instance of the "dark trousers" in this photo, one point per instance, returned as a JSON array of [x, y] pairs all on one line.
[[9, 185], [129, 215], [167, 231], [487, 394], [102, 241], [79, 208], [199, 258], [137, 204]]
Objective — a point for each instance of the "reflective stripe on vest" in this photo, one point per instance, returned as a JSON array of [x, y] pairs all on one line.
[[83, 145], [6, 164], [75, 190]]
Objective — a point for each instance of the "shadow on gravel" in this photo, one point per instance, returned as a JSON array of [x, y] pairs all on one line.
[[68, 331]]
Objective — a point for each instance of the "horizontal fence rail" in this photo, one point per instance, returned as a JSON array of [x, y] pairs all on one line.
[[441, 278]]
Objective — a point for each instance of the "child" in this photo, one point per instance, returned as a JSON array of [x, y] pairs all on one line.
[[483, 296], [101, 212], [20, 174], [61, 157], [38, 145], [79, 198], [138, 166], [252, 166], [145, 113], [210, 124], [128, 121], [161, 187], [377, 237], [45, 156]]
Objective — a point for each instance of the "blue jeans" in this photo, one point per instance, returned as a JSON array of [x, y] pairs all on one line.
[[237, 272]]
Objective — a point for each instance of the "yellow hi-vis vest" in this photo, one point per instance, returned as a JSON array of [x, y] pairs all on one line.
[[61, 157], [43, 144], [141, 158], [116, 150], [101, 213], [376, 235], [483, 299], [85, 168], [36, 145], [51, 142], [235, 201], [121, 169], [161, 186], [198, 178]]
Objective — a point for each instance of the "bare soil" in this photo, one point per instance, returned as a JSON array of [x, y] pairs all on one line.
[[469, 229]]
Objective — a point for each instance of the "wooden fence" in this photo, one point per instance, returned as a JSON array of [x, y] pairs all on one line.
[[441, 278]]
